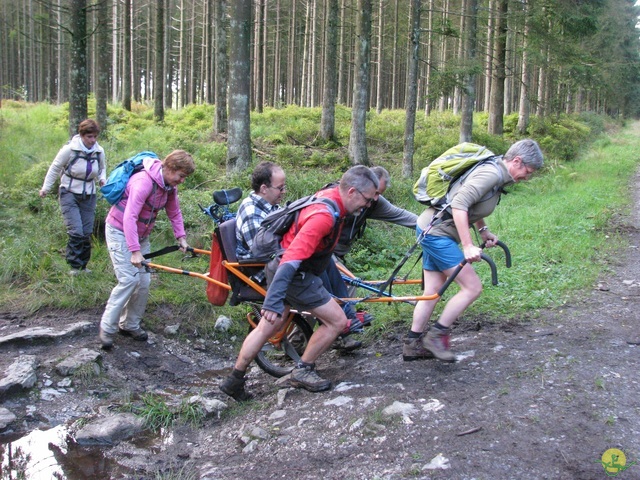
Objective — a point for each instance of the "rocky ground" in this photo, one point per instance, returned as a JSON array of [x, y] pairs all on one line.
[[538, 399]]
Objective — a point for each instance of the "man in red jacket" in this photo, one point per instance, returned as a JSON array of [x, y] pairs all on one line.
[[293, 278]]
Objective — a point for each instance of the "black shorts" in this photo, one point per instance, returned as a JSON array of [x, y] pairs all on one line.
[[306, 291]]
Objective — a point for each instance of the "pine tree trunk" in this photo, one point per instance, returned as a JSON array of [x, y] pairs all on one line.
[[394, 61], [328, 120], [126, 71], [358, 137], [524, 110], [258, 74], [78, 95], [488, 72], [312, 56], [239, 143], [158, 77], [342, 63], [380, 57], [428, 102], [496, 107], [469, 80], [291, 58], [277, 62], [457, 94], [412, 89], [304, 87], [102, 80], [222, 69]]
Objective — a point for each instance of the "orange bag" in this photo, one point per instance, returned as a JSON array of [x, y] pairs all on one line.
[[217, 295]]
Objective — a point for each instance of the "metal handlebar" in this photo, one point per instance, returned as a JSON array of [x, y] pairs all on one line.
[[486, 258]]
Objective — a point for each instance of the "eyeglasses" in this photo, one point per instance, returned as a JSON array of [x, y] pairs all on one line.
[[369, 200], [529, 170], [282, 188]]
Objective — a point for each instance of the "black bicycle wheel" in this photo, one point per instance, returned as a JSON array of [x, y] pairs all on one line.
[[278, 359]]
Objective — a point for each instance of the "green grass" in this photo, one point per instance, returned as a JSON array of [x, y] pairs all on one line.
[[561, 227], [157, 414]]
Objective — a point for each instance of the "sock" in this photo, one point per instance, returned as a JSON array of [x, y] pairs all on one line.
[[237, 374], [302, 364], [439, 326], [413, 334]]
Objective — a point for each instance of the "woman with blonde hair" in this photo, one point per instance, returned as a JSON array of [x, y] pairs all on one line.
[[129, 225]]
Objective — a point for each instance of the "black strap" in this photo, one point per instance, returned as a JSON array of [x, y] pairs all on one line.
[[162, 251]]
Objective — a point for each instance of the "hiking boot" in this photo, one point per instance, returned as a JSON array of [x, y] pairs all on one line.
[[436, 341], [234, 387], [364, 317], [346, 343], [414, 349], [137, 334], [106, 339], [307, 378]]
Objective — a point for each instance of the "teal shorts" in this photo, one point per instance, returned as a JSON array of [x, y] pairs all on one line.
[[439, 253]]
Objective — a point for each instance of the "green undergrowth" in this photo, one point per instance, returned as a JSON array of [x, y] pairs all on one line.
[[560, 227]]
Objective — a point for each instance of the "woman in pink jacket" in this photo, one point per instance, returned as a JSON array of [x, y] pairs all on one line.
[[129, 224]]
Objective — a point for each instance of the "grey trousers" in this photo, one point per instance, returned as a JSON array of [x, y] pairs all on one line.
[[78, 213], [128, 299]]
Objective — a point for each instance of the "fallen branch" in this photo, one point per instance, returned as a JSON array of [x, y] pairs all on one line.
[[470, 431]]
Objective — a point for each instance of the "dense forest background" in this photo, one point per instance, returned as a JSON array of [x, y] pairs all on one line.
[[533, 57]]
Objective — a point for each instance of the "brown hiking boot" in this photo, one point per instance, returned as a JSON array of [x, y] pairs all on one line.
[[307, 378], [138, 334], [413, 349], [437, 342]]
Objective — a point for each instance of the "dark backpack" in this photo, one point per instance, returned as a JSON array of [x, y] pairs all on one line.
[[266, 243], [116, 184]]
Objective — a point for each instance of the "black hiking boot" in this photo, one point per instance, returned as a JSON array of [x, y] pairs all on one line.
[[234, 387], [106, 340], [346, 343]]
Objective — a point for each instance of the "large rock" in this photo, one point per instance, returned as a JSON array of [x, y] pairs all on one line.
[[73, 363], [6, 417], [110, 430], [44, 333], [21, 375]]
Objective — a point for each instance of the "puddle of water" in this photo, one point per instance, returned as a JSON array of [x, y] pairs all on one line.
[[50, 454], [215, 374]]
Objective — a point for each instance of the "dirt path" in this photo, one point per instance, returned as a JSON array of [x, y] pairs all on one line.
[[542, 400]]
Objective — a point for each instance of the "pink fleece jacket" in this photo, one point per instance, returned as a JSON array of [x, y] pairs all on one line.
[[144, 196]]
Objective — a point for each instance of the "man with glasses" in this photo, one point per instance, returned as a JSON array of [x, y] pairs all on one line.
[[268, 184], [376, 208], [293, 279], [472, 200]]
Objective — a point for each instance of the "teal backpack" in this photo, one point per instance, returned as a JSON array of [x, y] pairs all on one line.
[[116, 184]]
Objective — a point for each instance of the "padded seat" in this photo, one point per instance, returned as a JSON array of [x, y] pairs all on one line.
[[241, 292]]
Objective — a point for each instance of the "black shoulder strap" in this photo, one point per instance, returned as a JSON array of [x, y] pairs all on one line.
[[312, 200]]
